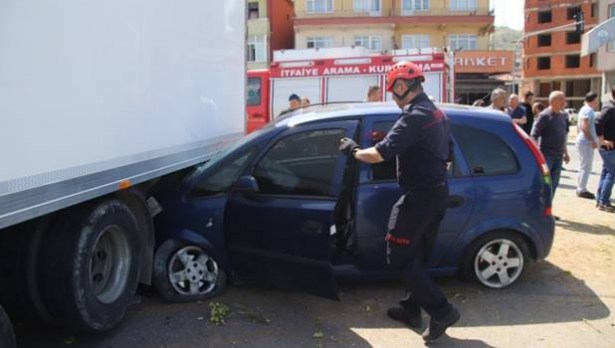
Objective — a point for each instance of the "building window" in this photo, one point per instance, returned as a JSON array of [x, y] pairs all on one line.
[[544, 17], [544, 40], [466, 42], [573, 61], [257, 49], [408, 7], [367, 6], [319, 6], [572, 11], [611, 46], [462, 5], [594, 10], [253, 10], [373, 43], [415, 41], [592, 60], [544, 63], [572, 37], [319, 41], [544, 89]]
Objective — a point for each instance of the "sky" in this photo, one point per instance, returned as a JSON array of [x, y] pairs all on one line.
[[509, 13]]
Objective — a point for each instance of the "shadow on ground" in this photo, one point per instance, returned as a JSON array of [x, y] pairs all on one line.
[[267, 317]]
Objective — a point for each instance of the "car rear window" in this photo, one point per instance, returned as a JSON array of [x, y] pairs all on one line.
[[485, 152]]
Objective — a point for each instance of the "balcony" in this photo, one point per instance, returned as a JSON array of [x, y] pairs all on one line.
[[258, 26], [395, 16]]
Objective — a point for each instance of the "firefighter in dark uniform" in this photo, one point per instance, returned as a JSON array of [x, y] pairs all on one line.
[[420, 141]]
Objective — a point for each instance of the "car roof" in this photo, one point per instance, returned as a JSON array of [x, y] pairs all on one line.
[[337, 111]]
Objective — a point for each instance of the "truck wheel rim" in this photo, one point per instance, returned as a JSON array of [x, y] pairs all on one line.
[[110, 264], [498, 263], [192, 272]]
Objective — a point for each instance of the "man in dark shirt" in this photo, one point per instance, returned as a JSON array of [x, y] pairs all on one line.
[[516, 111], [605, 129], [420, 141], [528, 99], [551, 131]]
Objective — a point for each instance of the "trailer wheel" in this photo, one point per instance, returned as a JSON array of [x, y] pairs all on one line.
[[186, 272], [7, 338], [90, 265]]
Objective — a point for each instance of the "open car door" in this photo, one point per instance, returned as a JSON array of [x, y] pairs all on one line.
[[279, 219]]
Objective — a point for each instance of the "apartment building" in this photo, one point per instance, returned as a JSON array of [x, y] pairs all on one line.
[[606, 54], [552, 61], [385, 25], [270, 28]]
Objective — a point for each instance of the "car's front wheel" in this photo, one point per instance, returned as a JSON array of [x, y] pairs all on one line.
[[186, 272], [496, 260]]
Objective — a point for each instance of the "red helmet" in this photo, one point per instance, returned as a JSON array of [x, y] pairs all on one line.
[[404, 70]]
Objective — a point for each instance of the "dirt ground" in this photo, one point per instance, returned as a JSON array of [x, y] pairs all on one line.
[[566, 301]]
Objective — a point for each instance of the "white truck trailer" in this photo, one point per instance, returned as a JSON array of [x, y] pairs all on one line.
[[99, 100]]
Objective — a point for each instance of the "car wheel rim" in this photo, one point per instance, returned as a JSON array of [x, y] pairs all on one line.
[[498, 263], [110, 264], [192, 272]]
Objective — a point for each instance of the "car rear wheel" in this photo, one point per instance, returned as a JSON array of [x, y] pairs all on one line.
[[496, 260], [186, 272]]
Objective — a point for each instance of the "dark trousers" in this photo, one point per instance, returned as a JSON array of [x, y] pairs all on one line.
[[413, 227]]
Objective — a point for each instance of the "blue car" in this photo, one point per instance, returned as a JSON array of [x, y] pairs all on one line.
[[284, 206]]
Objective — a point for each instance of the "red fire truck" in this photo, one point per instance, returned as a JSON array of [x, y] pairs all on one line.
[[329, 75]]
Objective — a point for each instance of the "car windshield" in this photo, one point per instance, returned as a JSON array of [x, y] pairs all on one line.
[[222, 154]]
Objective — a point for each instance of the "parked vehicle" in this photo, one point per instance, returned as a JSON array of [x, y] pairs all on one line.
[[332, 75], [101, 101], [572, 115], [284, 206]]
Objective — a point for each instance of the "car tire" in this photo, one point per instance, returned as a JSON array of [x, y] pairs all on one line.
[[7, 338], [185, 272], [496, 260], [88, 268]]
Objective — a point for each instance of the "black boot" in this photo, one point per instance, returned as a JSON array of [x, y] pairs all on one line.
[[437, 326], [407, 313]]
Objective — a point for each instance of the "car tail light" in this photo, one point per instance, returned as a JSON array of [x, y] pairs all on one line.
[[540, 160]]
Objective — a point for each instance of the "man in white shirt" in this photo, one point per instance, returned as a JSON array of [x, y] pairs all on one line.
[[587, 142]]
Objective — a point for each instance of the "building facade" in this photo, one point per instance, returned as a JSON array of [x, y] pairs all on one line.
[[552, 60], [606, 54], [385, 25], [270, 28]]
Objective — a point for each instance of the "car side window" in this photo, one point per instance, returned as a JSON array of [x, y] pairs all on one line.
[[221, 179], [485, 152], [300, 164], [387, 171]]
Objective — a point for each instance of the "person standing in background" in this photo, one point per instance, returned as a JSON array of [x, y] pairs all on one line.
[[605, 128], [587, 142], [550, 132], [528, 99], [498, 99], [374, 94], [516, 111]]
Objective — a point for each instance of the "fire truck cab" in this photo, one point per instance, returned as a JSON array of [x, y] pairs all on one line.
[[330, 75]]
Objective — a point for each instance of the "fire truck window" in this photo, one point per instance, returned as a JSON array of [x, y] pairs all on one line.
[[254, 91], [300, 164]]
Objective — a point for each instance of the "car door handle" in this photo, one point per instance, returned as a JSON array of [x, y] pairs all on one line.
[[312, 228], [455, 201]]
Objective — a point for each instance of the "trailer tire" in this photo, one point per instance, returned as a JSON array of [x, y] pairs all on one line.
[[7, 338], [202, 275], [89, 265]]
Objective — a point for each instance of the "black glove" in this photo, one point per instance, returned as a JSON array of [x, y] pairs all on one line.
[[348, 146]]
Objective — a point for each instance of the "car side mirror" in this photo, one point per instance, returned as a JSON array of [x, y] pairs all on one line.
[[247, 184]]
